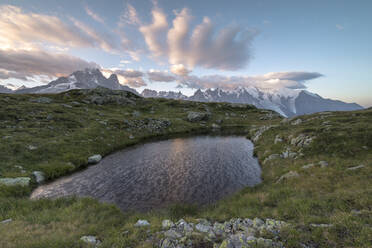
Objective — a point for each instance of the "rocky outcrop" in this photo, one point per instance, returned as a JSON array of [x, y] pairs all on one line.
[[197, 116], [289, 175], [257, 132], [18, 181], [234, 233], [147, 124], [101, 96], [301, 140]]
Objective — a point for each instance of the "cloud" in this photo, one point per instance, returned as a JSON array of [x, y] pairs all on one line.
[[160, 76], [340, 27], [180, 70], [107, 43], [130, 16], [20, 30], [225, 49], [94, 15], [154, 33], [23, 64], [177, 37], [130, 77], [272, 80]]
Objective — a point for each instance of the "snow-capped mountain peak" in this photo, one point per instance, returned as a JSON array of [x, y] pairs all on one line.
[[285, 101]]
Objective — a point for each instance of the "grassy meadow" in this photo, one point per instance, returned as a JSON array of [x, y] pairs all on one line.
[[58, 136]]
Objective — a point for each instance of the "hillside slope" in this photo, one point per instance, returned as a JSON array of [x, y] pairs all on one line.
[[316, 169]]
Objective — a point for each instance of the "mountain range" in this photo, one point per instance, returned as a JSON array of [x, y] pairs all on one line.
[[285, 101]]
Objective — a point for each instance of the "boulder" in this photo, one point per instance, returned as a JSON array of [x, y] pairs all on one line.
[[355, 167], [278, 139], [172, 234], [197, 116], [94, 159], [308, 166], [6, 221], [18, 181], [39, 176], [215, 126], [91, 240], [296, 122], [141, 223], [166, 224], [289, 175], [41, 100], [323, 164], [271, 157]]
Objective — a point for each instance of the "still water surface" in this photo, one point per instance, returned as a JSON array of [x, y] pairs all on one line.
[[195, 170]]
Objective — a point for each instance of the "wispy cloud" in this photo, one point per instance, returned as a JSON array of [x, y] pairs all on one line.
[[129, 16], [94, 15], [20, 30]]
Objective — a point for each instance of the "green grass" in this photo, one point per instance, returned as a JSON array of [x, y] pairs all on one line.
[[65, 141]]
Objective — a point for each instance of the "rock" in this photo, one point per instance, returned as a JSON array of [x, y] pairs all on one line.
[[308, 166], [168, 243], [102, 95], [258, 132], [355, 167], [257, 222], [197, 116], [94, 159], [131, 137], [271, 157], [39, 176], [41, 100], [284, 121], [321, 225], [141, 223], [296, 122], [92, 240], [6, 221], [172, 234], [288, 154], [356, 212], [66, 105], [291, 174], [203, 226], [31, 147], [18, 181], [166, 224], [238, 241], [323, 164], [301, 140], [219, 229], [278, 139], [215, 126], [136, 113]]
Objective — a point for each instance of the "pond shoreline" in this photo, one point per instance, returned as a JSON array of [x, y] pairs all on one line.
[[192, 169]]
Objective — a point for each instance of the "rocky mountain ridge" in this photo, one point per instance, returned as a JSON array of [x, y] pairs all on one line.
[[285, 101]]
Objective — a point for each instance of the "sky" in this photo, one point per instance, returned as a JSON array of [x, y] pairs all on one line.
[[322, 46]]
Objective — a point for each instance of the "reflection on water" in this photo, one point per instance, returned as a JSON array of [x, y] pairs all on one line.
[[196, 170]]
